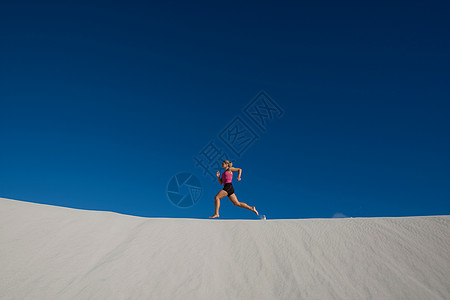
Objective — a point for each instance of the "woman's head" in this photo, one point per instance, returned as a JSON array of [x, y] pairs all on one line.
[[226, 164]]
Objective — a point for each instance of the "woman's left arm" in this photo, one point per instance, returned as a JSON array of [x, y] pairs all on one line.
[[237, 169]]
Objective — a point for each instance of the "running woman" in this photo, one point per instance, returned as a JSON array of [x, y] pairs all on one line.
[[228, 189]]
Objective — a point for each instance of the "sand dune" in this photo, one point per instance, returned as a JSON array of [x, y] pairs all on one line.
[[50, 252]]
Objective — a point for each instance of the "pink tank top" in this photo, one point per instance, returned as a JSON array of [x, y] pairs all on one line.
[[227, 177]]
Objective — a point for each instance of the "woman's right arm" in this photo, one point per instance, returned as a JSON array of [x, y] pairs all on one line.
[[218, 177]]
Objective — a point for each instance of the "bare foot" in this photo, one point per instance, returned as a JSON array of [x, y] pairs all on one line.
[[215, 216], [255, 211]]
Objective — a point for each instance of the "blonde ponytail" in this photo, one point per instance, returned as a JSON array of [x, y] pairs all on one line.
[[229, 163]]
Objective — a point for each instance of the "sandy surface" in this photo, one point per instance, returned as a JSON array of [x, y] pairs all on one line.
[[50, 252]]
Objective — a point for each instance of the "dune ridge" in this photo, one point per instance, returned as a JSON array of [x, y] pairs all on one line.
[[50, 252]]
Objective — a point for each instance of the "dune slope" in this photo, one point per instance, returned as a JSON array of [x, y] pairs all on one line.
[[50, 252]]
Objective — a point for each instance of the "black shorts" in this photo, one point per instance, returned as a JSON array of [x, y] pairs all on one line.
[[228, 187]]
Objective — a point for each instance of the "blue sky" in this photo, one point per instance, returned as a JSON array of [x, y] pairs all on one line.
[[102, 103]]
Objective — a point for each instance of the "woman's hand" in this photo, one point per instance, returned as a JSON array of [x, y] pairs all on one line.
[[218, 174], [239, 178]]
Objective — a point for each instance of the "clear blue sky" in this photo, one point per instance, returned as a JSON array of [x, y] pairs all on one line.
[[101, 103]]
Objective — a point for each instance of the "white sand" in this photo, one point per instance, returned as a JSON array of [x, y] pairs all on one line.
[[49, 252]]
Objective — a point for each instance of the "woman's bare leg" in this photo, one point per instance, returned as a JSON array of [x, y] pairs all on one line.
[[217, 198], [235, 201]]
